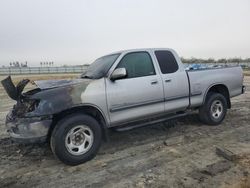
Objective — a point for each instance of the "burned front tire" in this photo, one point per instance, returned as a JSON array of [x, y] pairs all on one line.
[[76, 139], [214, 109]]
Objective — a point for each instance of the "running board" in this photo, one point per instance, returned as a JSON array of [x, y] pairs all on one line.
[[139, 124]]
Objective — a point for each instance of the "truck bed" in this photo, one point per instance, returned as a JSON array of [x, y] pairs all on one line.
[[201, 80]]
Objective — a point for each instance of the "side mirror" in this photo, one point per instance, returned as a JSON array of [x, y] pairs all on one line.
[[118, 74]]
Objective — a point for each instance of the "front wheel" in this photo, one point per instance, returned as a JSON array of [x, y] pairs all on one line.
[[214, 109], [76, 139]]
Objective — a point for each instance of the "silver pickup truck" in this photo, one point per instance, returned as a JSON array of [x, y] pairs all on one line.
[[122, 90]]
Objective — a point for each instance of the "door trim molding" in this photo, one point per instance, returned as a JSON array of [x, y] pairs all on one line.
[[196, 94], [176, 98], [125, 106]]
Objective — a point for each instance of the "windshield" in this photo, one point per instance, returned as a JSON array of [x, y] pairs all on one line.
[[100, 67]]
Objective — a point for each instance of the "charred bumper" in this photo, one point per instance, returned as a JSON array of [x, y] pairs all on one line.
[[28, 130]]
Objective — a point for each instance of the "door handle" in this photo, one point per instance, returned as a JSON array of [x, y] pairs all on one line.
[[154, 82], [167, 80]]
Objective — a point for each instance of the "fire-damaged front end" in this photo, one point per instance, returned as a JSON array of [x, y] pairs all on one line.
[[30, 118], [28, 130]]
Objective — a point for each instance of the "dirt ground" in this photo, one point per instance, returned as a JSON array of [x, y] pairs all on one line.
[[174, 154]]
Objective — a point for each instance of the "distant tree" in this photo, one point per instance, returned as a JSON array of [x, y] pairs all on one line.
[[222, 61], [234, 60], [211, 60], [247, 60]]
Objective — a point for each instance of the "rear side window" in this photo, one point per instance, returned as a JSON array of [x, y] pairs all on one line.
[[166, 61], [137, 64]]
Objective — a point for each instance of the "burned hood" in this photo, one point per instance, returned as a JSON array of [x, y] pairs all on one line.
[[56, 96], [13, 91], [50, 97], [48, 84]]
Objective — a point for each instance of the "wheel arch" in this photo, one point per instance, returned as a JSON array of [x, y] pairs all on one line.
[[88, 109], [219, 88]]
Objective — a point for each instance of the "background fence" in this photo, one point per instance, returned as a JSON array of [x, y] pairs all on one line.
[[42, 70], [79, 69]]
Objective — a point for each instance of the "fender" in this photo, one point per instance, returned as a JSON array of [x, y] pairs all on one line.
[[217, 84]]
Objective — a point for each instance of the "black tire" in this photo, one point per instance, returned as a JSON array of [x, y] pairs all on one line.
[[60, 132], [205, 112]]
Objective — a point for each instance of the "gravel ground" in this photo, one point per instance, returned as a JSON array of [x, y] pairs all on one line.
[[174, 154]]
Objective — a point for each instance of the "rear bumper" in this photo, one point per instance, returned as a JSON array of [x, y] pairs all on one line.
[[243, 89], [28, 130]]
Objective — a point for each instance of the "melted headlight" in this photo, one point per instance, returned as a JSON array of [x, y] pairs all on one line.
[[24, 106]]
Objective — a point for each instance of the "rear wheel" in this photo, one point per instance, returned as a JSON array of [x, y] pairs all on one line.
[[214, 109], [76, 139]]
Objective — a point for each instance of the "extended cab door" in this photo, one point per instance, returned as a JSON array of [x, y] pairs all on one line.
[[140, 94], [175, 81]]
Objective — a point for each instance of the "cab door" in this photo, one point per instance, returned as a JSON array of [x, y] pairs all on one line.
[[140, 94], [175, 81]]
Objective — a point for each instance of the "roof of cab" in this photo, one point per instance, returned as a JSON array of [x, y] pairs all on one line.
[[140, 49]]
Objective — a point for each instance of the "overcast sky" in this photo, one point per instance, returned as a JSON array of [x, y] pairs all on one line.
[[78, 31]]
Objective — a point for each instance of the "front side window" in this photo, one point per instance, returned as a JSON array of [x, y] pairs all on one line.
[[166, 61], [137, 64]]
